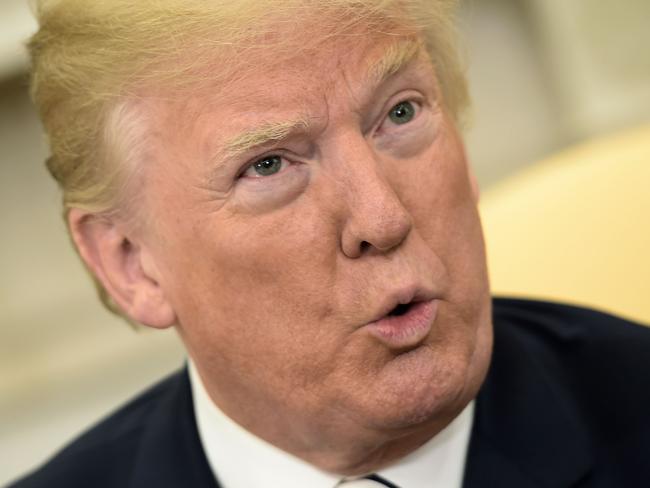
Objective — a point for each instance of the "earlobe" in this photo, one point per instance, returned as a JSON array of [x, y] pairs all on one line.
[[123, 267]]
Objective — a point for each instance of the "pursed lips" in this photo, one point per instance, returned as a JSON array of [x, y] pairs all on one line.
[[405, 317], [408, 296]]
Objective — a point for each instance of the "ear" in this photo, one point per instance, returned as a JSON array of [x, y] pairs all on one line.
[[123, 266]]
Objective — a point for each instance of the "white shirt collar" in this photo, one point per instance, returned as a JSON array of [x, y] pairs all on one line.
[[240, 459]]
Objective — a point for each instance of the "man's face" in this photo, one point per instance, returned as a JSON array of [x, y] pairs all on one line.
[[295, 207]]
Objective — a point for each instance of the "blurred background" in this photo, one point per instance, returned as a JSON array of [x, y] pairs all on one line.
[[544, 74]]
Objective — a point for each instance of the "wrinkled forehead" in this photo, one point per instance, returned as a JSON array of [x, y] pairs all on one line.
[[271, 96], [300, 83], [314, 74]]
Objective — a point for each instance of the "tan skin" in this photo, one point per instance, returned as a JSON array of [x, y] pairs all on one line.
[[271, 272]]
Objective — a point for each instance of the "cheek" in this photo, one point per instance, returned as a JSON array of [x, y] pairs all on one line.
[[435, 187], [257, 282], [437, 191]]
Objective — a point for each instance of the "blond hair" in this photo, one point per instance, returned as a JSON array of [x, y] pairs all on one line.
[[92, 58]]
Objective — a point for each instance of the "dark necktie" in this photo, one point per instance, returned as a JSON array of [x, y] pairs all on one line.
[[369, 481], [379, 479]]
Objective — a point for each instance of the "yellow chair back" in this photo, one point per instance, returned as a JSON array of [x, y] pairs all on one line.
[[576, 227]]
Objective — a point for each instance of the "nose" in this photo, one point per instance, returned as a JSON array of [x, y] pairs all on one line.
[[377, 220]]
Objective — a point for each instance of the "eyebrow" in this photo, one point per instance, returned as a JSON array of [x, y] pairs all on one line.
[[268, 132]]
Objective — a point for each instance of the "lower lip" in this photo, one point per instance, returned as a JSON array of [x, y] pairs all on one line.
[[408, 330]]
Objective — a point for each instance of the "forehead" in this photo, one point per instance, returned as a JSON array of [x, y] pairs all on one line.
[[267, 98], [304, 97], [352, 62]]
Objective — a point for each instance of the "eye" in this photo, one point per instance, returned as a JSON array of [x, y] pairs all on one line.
[[266, 166], [402, 113]]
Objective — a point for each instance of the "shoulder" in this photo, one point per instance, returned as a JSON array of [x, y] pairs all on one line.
[[573, 333], [566, 399], [105, 454], [597, 362]]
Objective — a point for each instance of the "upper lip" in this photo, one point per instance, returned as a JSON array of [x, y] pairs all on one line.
[[402, 296]]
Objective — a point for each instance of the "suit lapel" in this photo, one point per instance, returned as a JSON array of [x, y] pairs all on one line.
[[526, 431], [170, 454]]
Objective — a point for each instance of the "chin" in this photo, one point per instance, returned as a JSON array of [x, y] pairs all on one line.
[[428, 386]]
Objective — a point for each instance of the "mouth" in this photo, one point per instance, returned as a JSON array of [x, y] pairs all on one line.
[[406, 321], [400, 310]]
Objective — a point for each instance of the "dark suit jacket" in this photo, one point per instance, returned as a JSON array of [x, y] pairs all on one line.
[[566, 404]]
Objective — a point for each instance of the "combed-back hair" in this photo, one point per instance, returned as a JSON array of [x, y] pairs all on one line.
[[93, 59]]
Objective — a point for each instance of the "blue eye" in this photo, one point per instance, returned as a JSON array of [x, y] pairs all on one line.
[[402, 113], [266, 166]]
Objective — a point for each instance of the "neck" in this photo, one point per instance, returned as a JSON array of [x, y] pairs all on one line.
[[343, 449]]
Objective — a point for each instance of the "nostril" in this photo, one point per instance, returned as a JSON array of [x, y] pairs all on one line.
[[363, 246]]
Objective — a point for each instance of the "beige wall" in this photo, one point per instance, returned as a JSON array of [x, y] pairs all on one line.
[[544, 73]]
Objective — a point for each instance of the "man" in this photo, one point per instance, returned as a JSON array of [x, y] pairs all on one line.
[[284, 183]]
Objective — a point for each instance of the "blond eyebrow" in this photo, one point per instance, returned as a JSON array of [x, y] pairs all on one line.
[[266, 133], [394, 59]]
